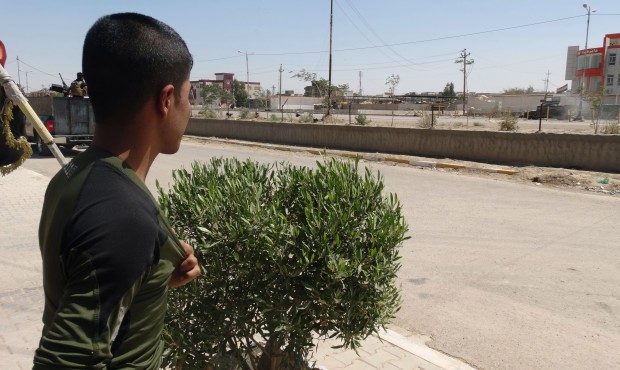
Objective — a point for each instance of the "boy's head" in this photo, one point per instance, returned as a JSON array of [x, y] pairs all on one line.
[[127, 59]]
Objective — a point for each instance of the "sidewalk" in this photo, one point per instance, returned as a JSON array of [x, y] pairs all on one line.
[[21, 296], [21, 291]]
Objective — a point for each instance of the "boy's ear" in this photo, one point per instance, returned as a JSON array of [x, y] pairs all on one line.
[[165, 99]]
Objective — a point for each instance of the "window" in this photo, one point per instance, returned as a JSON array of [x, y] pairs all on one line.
[[618, 80], [610, 80], [612, 59]]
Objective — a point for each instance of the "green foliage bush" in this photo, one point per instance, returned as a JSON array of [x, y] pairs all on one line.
[[306, 118], [509, 121], [427, 120], [208, 112], [361, 119], [611, 128], [287, 251], [243, 113]]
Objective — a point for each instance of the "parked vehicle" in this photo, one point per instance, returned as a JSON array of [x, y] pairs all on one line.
[[533, 114], [70, 121]]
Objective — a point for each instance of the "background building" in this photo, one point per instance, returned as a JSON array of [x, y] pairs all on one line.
[[225, 80], [594, 68]]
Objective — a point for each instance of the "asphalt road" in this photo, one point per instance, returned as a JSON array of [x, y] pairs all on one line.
[[502, 275]]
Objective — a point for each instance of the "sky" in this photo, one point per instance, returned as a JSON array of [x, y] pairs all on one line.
[[512, 43]]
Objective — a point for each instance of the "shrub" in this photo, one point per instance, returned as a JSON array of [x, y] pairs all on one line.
[[361, 119], [495, 111], [288, 252], [611, 128], [508, 121], [243, 113], [306, 118], [273, 118], [208, 112], [427, 121]]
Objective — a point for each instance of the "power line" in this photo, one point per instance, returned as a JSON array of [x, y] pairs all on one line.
[[212, 60], [356, 12], [367, 24], [35, 68], [428, 40]]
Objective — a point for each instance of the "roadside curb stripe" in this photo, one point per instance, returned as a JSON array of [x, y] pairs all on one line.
[[428, 354], [450, 165], [397, 160], [366, 157]]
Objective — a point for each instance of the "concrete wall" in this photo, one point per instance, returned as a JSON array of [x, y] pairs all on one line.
[[587, 152]]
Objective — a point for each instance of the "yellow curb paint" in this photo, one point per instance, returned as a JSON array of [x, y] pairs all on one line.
[[450, 165], [398, 160], [507, 172]]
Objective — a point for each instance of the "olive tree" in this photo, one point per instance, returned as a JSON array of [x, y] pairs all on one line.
[[289, 253]]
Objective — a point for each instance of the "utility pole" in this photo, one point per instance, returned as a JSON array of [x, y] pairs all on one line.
[[329, 84], [463, 59], [247, 72], [360, 90], [582, 84], [26, 72], [280, 94], [547, 82], [19, 74]]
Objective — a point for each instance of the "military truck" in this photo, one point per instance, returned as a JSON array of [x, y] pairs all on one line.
[[70, 120]]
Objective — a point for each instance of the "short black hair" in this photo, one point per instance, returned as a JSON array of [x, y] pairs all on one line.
[[127, 59]]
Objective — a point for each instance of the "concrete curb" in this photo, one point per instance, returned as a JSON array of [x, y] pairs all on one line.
[[365, 156], [428, 354]]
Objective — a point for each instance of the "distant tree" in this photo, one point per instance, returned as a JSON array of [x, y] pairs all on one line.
[[241, 94], [214, 93], [392, 81], [596, 104], [320, 86], [519, 91], [262, 99], [448, 90]]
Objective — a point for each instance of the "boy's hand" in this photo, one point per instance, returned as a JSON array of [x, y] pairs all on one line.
[[187, 270]]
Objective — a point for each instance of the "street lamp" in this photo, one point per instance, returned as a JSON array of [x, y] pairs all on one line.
[[247, 71], [583, 71]]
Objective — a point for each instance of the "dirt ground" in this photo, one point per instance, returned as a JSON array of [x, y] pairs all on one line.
[[559, 178], [566, 179]]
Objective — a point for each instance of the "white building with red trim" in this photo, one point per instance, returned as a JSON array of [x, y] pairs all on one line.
[[594, 68]]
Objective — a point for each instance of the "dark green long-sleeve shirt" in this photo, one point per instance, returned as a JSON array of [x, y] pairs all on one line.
[[108, 255]]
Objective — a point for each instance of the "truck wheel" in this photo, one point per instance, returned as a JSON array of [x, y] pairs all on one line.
[[41, 148]]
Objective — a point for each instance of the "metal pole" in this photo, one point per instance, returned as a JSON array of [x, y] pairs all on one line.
[[329, 84], [280, 95], [247, 72], [583, 71], [349, 113], [19, 74], [540, 110], [27, 81], [464, 78]]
